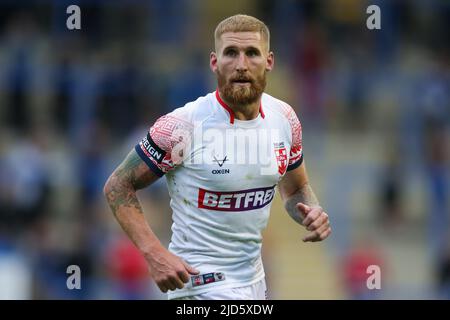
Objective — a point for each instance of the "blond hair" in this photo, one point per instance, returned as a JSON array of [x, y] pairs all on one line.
[[242, 23]]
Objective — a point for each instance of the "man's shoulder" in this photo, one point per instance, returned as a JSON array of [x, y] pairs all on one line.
[[195, 110], [276, 106], [181, 120]]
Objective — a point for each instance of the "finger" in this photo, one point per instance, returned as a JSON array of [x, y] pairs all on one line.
[[322, 229], [325, 234], [317, 235], [303, 208], [314, 235], [311, 236], [184, 276], [162, 287], [190, 269], [170, 284], [320, 221], [176, 281], [312, 215]]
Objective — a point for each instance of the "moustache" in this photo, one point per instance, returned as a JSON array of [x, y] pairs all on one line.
[[242, 79]]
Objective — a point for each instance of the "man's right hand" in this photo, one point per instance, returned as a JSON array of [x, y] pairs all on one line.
[[168, 270]]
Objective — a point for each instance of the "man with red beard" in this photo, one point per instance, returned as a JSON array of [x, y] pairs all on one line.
[[223, 155]]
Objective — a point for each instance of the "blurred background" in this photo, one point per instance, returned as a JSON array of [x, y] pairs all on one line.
[[375, 110]]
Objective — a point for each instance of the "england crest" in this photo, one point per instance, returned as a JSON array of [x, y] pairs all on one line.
[[281, 155]]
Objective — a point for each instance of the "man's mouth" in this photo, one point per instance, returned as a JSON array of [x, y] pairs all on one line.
[[242, 81]]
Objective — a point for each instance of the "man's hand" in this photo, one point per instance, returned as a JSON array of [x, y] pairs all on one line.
[[168, 270], [315, 220]]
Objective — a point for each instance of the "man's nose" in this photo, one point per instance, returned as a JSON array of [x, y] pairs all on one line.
[[241, 63]]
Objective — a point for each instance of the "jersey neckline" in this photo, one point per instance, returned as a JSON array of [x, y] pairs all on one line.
[[231, 113]]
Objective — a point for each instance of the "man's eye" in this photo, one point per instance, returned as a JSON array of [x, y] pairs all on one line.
[[230, 53], [252, 53]]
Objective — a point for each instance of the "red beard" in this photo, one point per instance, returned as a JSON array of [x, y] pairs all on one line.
[[241, 95]]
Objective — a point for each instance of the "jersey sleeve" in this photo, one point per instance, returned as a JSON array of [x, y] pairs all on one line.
[[164, 146], [296, 152]]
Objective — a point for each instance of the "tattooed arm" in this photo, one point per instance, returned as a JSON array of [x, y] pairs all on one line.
[[168, 270], [302, 205]]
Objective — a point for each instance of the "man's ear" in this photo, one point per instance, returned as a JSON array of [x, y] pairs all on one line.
[[213, 62], [270, 61]]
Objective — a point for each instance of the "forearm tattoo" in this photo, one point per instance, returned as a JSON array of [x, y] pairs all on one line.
[[305, 195]]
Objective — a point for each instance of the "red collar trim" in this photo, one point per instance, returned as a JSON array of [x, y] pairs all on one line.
[[225, 106], [230, 111]]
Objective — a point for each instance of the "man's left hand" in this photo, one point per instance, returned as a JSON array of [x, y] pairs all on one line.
[[316, 221]]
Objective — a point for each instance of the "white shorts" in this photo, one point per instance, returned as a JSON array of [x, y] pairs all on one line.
[[256, 291]]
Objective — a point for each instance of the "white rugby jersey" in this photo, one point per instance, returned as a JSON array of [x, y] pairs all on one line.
[[221, 174]]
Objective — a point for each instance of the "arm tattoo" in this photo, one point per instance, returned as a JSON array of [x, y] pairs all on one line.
[[304, 194], [131, 175]]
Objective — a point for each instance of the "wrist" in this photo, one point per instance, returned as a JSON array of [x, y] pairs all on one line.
[[150, 250]]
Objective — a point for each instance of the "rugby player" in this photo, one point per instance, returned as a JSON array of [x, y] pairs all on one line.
[[222, 155]]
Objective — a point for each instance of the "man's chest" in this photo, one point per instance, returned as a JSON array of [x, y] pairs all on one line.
[[244, 158]]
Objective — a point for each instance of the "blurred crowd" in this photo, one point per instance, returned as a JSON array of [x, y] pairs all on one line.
[[73, 102]]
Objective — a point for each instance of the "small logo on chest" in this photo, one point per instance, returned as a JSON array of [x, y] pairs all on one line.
[[220, 163], [281, 154], [221, 171]]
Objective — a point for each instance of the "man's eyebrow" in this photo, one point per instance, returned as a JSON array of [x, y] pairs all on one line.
[[245, 48]]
